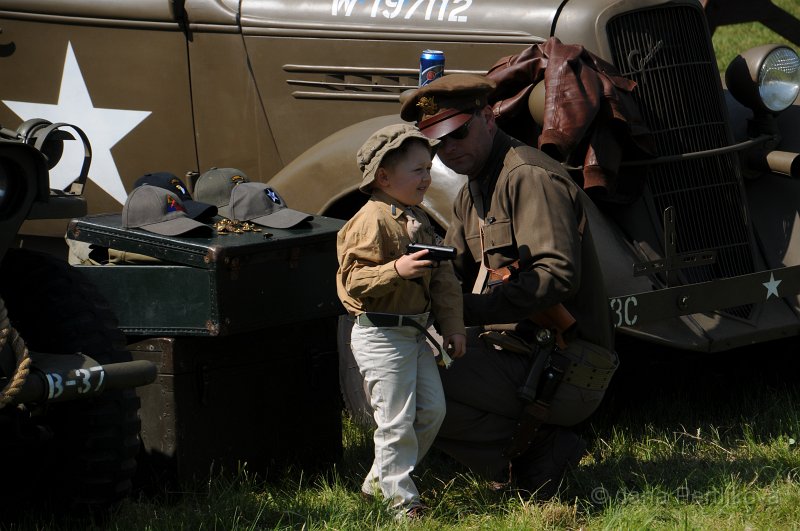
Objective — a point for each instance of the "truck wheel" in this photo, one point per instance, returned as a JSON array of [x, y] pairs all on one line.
[[84, 450], [350, 381]]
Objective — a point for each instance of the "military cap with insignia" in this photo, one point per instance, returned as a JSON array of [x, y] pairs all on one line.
[[446, 104], [215, 185], [168, 181]]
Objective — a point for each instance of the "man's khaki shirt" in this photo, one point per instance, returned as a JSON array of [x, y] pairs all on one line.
[[367, 281], [533, 211]]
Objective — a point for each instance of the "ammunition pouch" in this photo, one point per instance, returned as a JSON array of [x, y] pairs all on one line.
[[588, 366]]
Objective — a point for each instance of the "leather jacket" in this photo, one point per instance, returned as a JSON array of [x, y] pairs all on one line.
[[590, 116]]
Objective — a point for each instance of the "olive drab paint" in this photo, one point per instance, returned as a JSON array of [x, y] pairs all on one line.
[[287, 91]]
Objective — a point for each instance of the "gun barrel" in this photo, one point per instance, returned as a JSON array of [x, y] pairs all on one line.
[[55, 384], [435, 252]]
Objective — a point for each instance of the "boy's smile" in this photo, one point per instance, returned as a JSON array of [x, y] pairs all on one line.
[[409, 177]]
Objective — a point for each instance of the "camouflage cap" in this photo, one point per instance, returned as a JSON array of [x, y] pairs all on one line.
[[157, 210], [445, 104], [215, 186], [380, 144]]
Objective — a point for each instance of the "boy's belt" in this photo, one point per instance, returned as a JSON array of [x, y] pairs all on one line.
[[390, 319]]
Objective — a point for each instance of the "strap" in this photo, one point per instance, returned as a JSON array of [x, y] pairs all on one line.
[[556, 317], [389, 319], [536, 412]]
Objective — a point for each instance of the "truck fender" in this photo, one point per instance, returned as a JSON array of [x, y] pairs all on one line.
[[326, 176], [327, 171]]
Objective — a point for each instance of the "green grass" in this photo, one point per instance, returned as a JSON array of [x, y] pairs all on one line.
[[682, 441], [733, 39]]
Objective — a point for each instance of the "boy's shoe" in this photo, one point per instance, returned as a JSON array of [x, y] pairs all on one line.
[[370, 489], [413, 511]]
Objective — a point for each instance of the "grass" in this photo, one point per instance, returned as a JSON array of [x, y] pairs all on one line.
[[682, 441], [733, 39]]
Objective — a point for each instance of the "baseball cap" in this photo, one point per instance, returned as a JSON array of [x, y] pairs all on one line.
[[215, 185], [446, 103], [157, 210], [168, 181], [380, 144], [260, 204]]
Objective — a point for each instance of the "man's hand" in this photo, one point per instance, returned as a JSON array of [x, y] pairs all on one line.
[[456, 345], [414, 265]]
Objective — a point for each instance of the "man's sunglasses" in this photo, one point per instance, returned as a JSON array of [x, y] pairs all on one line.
[[460, 133]]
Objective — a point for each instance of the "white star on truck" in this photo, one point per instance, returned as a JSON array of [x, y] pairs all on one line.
[[104, 127]]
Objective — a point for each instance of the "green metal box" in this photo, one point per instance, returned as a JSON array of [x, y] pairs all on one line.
[[243, 330], [218, 285], [252, 399]]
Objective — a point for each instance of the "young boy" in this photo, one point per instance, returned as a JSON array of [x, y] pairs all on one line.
[[393, 297]]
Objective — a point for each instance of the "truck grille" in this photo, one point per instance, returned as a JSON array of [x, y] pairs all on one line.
[[667, 51]]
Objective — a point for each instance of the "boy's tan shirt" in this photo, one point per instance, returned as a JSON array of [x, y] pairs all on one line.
[[367, 281]]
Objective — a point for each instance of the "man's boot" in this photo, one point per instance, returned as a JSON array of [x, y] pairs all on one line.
[[539, 471]]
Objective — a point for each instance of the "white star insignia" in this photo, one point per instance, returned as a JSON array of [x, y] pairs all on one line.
[[104, 127], [772, 286]]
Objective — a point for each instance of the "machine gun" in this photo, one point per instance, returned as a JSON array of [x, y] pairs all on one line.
[[65, 379]]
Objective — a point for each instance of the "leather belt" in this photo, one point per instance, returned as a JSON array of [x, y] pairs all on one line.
[[390, 319]]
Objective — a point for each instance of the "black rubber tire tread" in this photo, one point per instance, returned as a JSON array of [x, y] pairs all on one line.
[[91, 459], [351, 383]]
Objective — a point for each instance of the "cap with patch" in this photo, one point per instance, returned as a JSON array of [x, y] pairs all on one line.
[[380, 144], [168, 181], [157, 210], [215, 185], [445, 104], [260, 204]]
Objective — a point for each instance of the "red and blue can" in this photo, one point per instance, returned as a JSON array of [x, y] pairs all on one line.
[[431, 66]]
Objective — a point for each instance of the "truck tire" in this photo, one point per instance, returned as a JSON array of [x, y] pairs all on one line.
[[351, 382], [86, 449]]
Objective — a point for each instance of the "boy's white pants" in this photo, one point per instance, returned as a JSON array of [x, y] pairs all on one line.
[[406, 394]]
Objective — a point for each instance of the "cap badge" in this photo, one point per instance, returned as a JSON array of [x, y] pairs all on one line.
[[273, 195], [174, 206], [237, 179], [177, 184], [427, 105]]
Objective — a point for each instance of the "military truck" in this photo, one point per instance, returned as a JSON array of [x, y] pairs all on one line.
[[703, 258], [68, 413]]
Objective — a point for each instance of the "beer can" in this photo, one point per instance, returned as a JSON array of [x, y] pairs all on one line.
[[431, 66]]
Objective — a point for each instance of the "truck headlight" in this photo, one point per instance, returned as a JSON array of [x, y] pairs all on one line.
[[779, 79], [765, 78]]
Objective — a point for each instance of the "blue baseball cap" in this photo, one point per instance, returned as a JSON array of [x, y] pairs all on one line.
[[168, 181]]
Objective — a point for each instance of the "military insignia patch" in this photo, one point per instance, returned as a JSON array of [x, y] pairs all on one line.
[[174, 206], [273, 195], [427, 105], [178, 186]]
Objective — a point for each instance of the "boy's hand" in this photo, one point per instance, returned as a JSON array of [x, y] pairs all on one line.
[[414, 265], [456, 345]]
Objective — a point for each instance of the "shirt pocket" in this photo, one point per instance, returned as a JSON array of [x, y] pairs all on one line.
[[498, 235], [393, 248]]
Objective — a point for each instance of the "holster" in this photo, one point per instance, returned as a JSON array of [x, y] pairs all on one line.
[[544, 378], [556, 317]]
